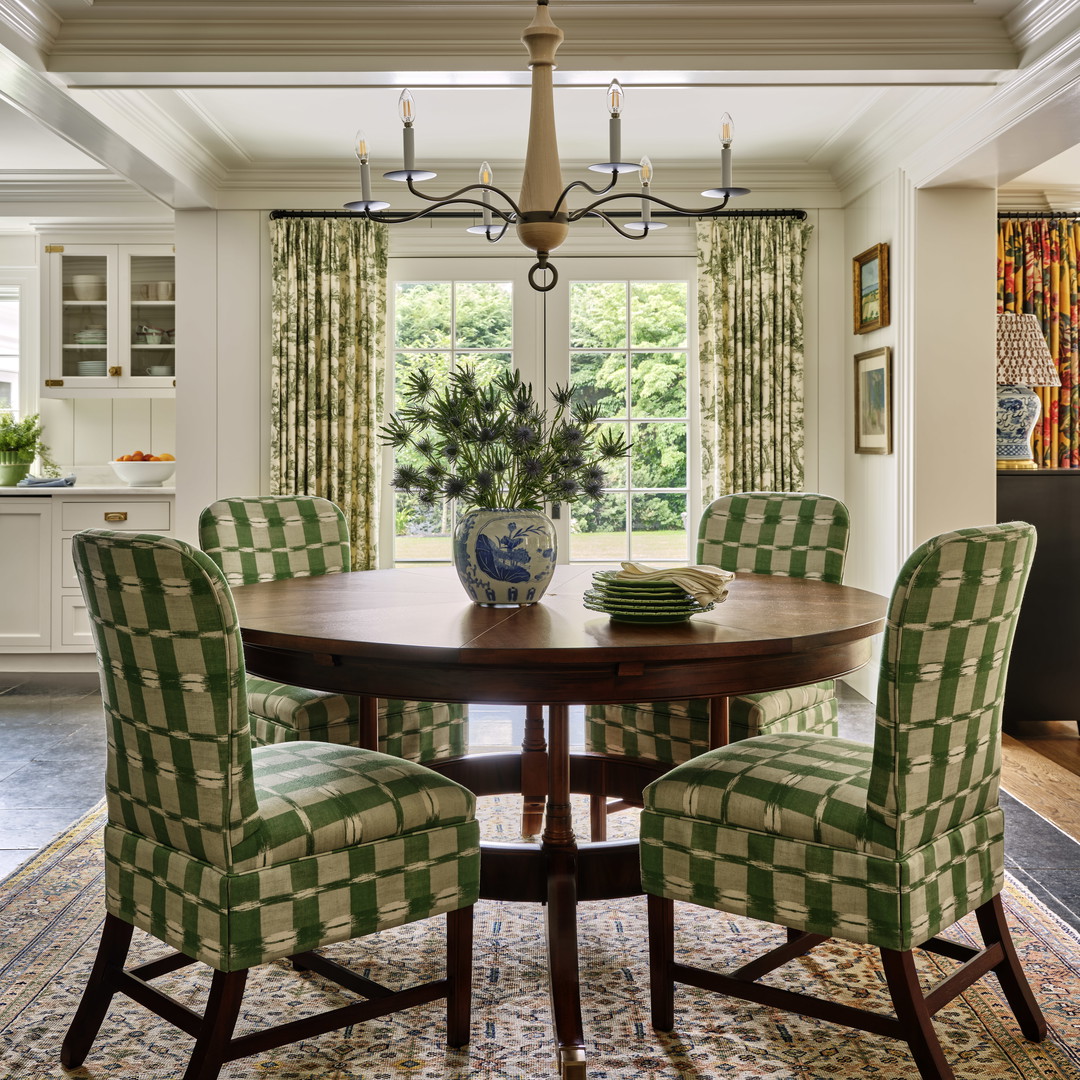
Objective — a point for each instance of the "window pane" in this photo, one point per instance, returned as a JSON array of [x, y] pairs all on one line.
[[484, 315], [598, 529], [9, 347], [598, 315], [658, 313], [659, 527], [601, 379], [658, 456], [486, 365], [437, 364], [421, 532], [422, 315], [658, 384]]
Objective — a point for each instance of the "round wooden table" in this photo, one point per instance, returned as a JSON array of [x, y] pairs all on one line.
[[412, 633]]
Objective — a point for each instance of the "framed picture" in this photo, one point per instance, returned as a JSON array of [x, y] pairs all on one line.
[[873, 402], [870, 292]]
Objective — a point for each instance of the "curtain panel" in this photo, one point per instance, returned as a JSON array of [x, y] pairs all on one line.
[[750, 348], [329, 327], [1037, 273]]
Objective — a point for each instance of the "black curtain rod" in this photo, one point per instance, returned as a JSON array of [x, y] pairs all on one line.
[[1073, 215], [469, 215]]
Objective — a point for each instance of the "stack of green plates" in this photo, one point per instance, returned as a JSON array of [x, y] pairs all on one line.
[[640, 601]]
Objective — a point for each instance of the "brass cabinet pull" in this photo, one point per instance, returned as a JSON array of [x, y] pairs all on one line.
[[54, 382], [116, 371], [116, 515]]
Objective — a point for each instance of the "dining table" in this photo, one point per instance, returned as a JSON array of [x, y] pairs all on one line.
[[411, 632]]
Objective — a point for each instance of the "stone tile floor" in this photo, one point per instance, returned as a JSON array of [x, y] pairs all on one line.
[[52, 761]]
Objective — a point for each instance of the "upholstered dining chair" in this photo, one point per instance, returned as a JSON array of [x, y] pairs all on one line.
[[792, 534], [887, 844], [266, 538], [235, 856]]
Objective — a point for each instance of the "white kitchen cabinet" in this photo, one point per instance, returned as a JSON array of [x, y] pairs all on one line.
[[26, 567], [125, 513], [109, 320]]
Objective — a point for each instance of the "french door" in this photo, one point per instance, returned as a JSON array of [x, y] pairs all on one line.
[[621, 331]]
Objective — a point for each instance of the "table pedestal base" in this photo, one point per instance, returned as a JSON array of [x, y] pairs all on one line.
[[558, 872]]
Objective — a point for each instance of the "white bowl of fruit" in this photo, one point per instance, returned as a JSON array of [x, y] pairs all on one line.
[[144, 470]]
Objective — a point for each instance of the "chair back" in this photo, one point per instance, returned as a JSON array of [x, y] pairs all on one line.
[[949, 631], [172, 682], [783, 533], [265, 538]]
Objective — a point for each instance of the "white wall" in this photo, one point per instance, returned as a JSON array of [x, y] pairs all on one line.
[[91, 431], [223, 350]]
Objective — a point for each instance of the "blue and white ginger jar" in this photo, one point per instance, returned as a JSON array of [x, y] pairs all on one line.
[[505, 556]]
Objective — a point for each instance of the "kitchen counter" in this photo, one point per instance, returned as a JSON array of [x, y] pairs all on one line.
[[87, 489]]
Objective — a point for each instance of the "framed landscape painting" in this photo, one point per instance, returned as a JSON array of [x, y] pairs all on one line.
[[870, 292], [873, 402]]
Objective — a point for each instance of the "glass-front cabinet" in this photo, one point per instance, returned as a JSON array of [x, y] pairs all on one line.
[[110, 316]]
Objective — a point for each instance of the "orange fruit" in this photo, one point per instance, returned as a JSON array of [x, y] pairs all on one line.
[[166, 457]]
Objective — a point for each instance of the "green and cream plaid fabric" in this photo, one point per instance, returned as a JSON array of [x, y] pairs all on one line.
[[886, 844], [265, 538], [787, 534], [235, 855]]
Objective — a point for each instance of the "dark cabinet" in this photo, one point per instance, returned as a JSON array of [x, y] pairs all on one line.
[[1044, 673]]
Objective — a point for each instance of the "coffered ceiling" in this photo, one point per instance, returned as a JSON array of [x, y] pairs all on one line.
[[222, 102]]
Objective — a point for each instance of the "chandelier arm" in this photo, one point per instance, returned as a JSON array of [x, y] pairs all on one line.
[[588, 187], [453, 196], [617, 227], [395, 217], [705, 211]]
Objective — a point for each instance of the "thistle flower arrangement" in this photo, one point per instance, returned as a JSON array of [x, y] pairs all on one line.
[[495, 446]]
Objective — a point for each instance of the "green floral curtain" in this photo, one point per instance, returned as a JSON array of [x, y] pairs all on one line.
[[750, 344], [1037, 273], [329, 325]]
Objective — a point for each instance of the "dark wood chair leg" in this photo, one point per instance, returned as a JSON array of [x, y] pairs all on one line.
[[219, 1019], [598, 817], [661, 957], [995, 931], [915, 1019], [111, 954], [459, 954]]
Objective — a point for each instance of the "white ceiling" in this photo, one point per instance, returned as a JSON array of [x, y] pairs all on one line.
[[194, 100]]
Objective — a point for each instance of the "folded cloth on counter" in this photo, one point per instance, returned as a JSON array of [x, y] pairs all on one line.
[[706, 584], [47, 481]]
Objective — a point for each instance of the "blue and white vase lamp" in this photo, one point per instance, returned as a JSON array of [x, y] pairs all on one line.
[[1023, 361]]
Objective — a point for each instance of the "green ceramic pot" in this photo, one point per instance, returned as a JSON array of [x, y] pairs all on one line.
[[14, 466]]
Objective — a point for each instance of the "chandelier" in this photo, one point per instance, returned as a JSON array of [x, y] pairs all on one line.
[[541, 214]]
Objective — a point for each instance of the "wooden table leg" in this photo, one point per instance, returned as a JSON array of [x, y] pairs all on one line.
[[368, 723], [534, 769], [718, 722], [560, 850]]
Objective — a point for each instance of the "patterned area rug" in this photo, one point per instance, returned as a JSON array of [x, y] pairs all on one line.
[[51, 910]]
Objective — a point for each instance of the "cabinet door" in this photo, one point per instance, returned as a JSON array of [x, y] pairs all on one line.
[[25, 573], [81, 314], [148, 315]]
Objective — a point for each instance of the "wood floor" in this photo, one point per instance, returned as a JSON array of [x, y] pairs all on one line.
[[1041, 767]]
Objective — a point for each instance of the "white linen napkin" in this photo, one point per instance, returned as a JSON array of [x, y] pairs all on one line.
[[706, 584]]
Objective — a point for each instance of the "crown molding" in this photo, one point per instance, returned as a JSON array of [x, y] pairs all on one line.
[[1063, 197], [1032, 22], [418, 35], [34, 24]]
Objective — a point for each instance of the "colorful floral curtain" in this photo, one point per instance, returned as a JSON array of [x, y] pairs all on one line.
[[1037, 273], [329, 325], [750, 345]]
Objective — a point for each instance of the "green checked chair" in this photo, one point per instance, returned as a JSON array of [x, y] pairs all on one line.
[[887, 844], [272, 537], [237, 856], [761, 532]]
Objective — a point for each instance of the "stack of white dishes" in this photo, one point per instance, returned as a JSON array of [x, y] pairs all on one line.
[[640, 601], [91, 335], [91, 367]]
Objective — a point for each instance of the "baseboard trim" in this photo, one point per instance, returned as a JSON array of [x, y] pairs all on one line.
[[48, 662]]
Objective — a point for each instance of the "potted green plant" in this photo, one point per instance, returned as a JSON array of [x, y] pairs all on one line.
[[497, 451], [20, 444]]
